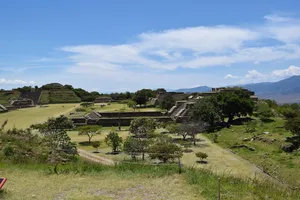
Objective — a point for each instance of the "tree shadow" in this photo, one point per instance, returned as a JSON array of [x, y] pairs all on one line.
[[268, 120], [202, 162], [241, 121], [85, 143], [113, 153]]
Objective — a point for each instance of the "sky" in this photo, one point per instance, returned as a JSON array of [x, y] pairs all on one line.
[[114, 46]]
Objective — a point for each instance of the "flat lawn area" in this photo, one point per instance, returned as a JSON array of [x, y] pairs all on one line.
[[112, 107], [25, 117], [36, 184], [267, 155], [220, 160]]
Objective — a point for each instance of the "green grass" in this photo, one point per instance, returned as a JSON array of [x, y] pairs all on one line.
[[112, 107], [5, 97], [23, 118], [284, 166], [130, 181], [44, 98]]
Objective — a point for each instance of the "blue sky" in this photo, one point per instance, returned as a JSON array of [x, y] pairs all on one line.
[[127, 45]]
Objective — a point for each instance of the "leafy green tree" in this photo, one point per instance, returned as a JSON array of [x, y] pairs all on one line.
[[235, 103], [134, 146], [164, 150], [264, 112], [201, 155], [57, 139], [142, 127], [89, 131], [293, 125], [142, 96], [206, 110], [131, 104], [96, 145], [114, 141], [167, 102], [193, 129]]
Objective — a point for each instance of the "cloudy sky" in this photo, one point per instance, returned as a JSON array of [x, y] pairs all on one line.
[[127, 45]]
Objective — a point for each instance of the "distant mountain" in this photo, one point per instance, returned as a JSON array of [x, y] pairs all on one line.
[[284, 91], [196, 89]]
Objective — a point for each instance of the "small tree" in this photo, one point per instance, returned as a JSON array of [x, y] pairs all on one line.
[[89, 131], [167, 102], [178, 129], [264, 112], [164, 150], [201, 155], [133, 147], [96, 145], [114, 141], [131, 104], [293, 125], [193, 129]]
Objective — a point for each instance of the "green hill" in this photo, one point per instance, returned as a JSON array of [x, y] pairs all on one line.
[[6, 96]]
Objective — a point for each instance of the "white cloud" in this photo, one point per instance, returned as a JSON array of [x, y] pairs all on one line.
[[291, 71], [230, 76], [277, 18], [15, 82], [194, 47]]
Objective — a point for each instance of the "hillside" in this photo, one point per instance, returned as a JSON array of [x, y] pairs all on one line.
[[284, 91], [6, 96], [196, 89]]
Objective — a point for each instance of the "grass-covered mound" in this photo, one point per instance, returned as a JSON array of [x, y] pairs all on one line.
[[58, 96], [6, 96]]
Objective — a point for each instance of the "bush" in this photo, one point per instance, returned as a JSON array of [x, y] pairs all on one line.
[[250, 126], [201, 155], [96, 145]]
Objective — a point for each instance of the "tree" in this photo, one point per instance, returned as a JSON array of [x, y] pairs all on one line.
[[164, 150], [142, 128], [134, 146], [293, 125], [206, 110], [141, 96], [201, 155], [96, 145], [193, 129], [131, 104], [57, 140], [236, 102], [264, 112], [89, 131], [167, 102], [114, 141], [177, 129]]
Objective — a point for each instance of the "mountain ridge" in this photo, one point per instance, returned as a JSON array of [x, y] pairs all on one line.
[[283, 91]]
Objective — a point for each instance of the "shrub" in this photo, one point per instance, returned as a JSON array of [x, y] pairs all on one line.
[[250, 126], [201, 155], [96, 145]]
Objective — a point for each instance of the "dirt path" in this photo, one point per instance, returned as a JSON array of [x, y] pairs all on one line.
[[223, 161], [95, 158]]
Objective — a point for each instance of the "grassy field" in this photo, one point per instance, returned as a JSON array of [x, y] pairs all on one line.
[[23, 118], [267, 155], [129, 181], [220, 160], [111, 107]]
